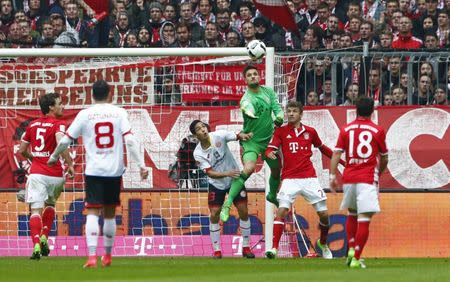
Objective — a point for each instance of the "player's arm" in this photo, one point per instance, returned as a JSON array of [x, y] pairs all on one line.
[[326, 151], [63, 144], [335, 160], [66, 156], [275, 143], [383, 151], [231, 136], [276, 108], [133, 152], [23, 150], [221, 174], [247, 108]]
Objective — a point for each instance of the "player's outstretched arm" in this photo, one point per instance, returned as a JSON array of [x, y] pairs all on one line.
[[326, 151], [66, 156], [63, 144], [333, 168], [133, 152], [244, 136], [277, 110], [221, 174]]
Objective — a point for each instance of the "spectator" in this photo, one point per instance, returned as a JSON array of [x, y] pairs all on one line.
[[184, 36], [58, 23], [428, 24], [386, 38], [353, 10], [245, 15], [431, 40], [167, 35], [388, 100], [119, 7], [422, 95], [443, 28], [248, 32], [404, 81], [205, 14], [366, 35], [375, 89], [6, 16], [391, 7], [48, 35], [310, 17], [26, 37], [138, 13], [263, 31], [421, 7], [76, 25], [323, 13], [395, 23], [326, 96], [440, 97], [312, 98], [405, 39], [144, 38], [398, 96], [57, 7], [285, 40], [313, 38], [353, 28], [19, 16], [170, 13], [186, 16], [131, 40], [224, 23], [14, 35], [336, 11], [427, 69], [352, 94], [212, 38], [335, 39], [391, 77], [170, 93], [34, 14], [121, 29], [155, 22], [233, 39], [345, 41], [431, 8]]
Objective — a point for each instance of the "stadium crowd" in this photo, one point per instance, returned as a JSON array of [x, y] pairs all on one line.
[[331, 24]]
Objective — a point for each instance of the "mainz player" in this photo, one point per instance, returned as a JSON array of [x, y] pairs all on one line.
[[44, 184], [364, 144], [104, 127], [298, 174]]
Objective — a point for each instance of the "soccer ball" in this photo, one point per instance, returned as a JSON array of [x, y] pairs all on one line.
[[256, 49]]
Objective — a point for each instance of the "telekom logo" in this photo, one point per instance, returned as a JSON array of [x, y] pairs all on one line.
[[143, 243], [293, 146]]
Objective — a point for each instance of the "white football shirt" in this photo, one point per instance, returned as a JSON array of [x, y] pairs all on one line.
[[102, 127], [217, 157]]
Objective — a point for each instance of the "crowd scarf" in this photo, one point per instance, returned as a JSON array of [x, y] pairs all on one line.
[[369, 13]]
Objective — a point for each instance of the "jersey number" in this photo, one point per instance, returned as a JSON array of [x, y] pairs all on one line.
[[364, 138], [104, 132], [40, 132]]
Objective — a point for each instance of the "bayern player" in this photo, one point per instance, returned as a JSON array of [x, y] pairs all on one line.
[[364, 144], [257, 106], [298, 174], [215, 159], [44, 184], [104, 127]]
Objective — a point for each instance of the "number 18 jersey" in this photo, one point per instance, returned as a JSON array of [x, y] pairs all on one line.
[[362, 141], [102, 127]]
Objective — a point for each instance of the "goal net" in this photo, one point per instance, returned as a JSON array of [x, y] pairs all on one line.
[[163, 91]]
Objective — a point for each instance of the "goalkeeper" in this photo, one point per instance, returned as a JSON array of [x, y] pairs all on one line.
[[257, 106]]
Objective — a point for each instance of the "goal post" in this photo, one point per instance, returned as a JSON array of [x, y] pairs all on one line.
[[38, 63]]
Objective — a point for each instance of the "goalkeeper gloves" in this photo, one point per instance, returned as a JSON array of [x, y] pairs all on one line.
[[278, 122]]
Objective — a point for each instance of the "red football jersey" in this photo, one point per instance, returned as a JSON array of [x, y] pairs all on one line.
[[362, 141], [296, 148], [40, 134]]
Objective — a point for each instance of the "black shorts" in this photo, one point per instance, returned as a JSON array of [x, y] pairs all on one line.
[[216, 197], [102, 191]]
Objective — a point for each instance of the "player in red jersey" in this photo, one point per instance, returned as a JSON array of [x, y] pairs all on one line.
[[364, 144], [44, 184], [298, 174]]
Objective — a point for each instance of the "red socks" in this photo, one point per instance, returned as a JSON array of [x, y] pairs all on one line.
[[351, 225], [278, 228], [35, 228], [361, 237], [48, 217]]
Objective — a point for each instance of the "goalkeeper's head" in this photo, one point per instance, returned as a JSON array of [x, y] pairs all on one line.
[[100, 90]]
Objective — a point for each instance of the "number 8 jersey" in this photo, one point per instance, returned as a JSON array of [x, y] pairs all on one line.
[[362, 141], [102, 127]]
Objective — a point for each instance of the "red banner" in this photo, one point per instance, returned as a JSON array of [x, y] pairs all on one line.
[[417, 137]]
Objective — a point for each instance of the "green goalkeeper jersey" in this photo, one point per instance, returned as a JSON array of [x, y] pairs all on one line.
[[257, 108]]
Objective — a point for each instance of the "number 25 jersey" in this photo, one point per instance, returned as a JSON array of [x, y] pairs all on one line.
[[102, 127], [362, 141]]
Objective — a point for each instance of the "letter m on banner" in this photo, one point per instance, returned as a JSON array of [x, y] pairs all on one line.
[[278, 11]]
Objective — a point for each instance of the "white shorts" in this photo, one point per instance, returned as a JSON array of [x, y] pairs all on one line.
[[309, 188], [361, 197], [42, 189]]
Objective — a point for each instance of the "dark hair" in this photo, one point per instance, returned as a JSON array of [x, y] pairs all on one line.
[[100, 90], [364, 106], [182, 25], [47, 101], [192, 126], [249, 67], [295, 104]]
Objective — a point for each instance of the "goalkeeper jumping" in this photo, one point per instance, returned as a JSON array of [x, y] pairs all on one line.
[[257, 106]]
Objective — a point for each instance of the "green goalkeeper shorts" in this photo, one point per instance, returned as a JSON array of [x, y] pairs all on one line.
[[252, 150]]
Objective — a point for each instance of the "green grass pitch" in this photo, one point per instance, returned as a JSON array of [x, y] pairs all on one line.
[[227, 269]]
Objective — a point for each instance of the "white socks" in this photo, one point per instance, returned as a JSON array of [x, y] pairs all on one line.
[[245, 231], [109, 232], [214, 233], [92, 230]]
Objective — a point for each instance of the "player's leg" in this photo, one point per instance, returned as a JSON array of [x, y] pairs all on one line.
[[351, 225], [36, 194], [244, 223], [274, 180], [48, 215], [111, 200], [286, 197], [216, 199], [368, 205], [249, 160]]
